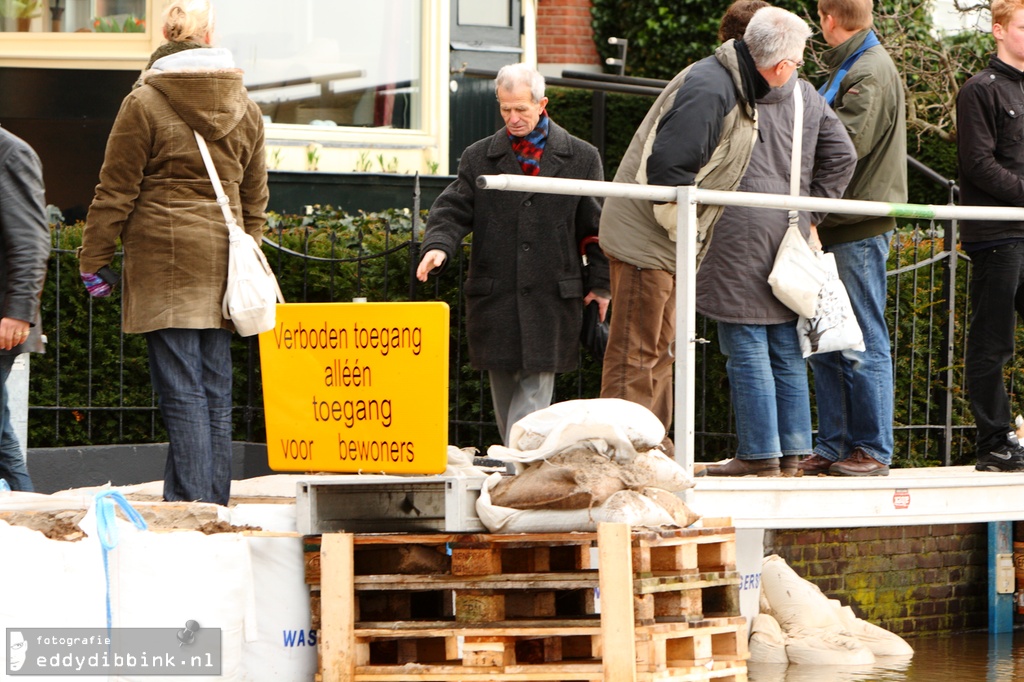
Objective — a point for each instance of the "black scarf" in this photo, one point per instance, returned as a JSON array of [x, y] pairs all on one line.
[[754, 85]]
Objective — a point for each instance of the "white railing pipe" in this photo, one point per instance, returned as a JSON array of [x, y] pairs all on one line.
[[686, 276], [593, 188]]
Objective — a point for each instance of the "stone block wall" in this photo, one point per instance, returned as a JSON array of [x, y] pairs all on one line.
[[910, 580], [564, 35]]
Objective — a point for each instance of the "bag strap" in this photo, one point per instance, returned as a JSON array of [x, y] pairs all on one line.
[[218, 188], [830, 88], [225, 207], [797, 152]]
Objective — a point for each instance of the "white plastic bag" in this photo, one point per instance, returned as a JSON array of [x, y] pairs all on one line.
[[252, 293], [798, 274], [834, 325]]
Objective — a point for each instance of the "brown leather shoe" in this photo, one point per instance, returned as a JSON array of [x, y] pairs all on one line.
[[815, 464], [746, 467], [859, 463], [789, 465]]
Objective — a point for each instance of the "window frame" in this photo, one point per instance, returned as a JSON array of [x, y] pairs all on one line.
[[423, 148]]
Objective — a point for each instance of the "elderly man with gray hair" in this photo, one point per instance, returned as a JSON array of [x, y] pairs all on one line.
[[701, 130], [526, 287]]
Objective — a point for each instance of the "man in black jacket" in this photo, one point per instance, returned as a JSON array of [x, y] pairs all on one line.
[[526, 289], [24, 251], [990, 142]]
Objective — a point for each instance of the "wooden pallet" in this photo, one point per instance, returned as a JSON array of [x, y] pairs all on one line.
[[683, 574], [494, 609]]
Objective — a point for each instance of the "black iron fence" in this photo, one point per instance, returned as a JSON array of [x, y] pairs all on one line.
[[92, 386]]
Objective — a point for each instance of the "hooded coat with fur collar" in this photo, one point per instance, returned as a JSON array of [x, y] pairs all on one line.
[[156, 196]]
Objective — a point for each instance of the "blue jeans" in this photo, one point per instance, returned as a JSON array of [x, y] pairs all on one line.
[[191, 372], [997, 297], [854, 389], [769, 389], [12, 464]]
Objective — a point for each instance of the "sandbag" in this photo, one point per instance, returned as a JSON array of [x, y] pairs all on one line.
[[822, 647], [656, 469], [767, 642], [681, 514], [461, 464], [625, 506], [796, 603], [615, 428], [880, 641], [577, 479]]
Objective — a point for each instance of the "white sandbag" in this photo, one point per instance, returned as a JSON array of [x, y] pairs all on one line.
[[879, 640], [655, 469], [682, 515], [285, 646], [625, 506], [272, 517], [796, 603], [612, 427], [822, 647], [639, 424], [461, 464], [767, 642], [50, 584], [166, 579]]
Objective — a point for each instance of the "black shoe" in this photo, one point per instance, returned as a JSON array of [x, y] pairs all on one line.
[[1006, 457]]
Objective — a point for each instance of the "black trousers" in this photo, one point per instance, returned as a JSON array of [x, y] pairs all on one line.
[[997, 297]]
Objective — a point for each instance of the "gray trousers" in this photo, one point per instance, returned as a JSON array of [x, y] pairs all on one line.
[[517, 394]]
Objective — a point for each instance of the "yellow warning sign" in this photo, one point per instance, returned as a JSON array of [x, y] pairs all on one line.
[[351, 387]]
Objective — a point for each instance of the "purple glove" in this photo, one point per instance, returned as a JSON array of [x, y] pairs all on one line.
[[96, 286]]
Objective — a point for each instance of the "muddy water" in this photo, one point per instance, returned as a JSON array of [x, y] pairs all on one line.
[[973, 657]]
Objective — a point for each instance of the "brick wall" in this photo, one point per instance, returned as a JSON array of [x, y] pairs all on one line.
[[910, 580], [564, 35]]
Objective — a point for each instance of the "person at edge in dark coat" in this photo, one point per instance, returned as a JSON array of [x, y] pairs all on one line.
[[24, 254], [526, 286]]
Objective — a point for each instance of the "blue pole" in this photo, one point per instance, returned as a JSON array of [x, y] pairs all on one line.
[[1000, 606]]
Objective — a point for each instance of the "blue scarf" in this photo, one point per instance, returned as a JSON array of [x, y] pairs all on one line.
[[870, 40]]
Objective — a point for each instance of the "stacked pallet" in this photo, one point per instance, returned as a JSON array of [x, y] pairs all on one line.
[[660, 605]]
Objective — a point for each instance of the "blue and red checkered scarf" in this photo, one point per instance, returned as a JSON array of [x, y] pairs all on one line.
[[529, 149]]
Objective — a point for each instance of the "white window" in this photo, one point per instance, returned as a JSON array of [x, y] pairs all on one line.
[[329, 62]]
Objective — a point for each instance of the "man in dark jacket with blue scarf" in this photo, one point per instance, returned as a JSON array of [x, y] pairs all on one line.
[[990, 145], [854, 389], [526, 288]]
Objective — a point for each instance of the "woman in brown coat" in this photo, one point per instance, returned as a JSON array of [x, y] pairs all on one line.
[[155, 195]]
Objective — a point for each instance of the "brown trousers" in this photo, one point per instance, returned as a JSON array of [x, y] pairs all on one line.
[[638, 360]]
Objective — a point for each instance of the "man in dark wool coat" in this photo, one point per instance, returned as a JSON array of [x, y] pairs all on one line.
[[526, 287]]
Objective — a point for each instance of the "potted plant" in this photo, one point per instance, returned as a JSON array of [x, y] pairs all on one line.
[[24, 11]]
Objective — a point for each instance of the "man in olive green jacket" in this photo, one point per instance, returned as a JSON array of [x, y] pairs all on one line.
[[854, 389]]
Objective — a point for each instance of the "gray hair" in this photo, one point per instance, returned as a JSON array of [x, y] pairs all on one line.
[[774, 34], [512, 75]]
